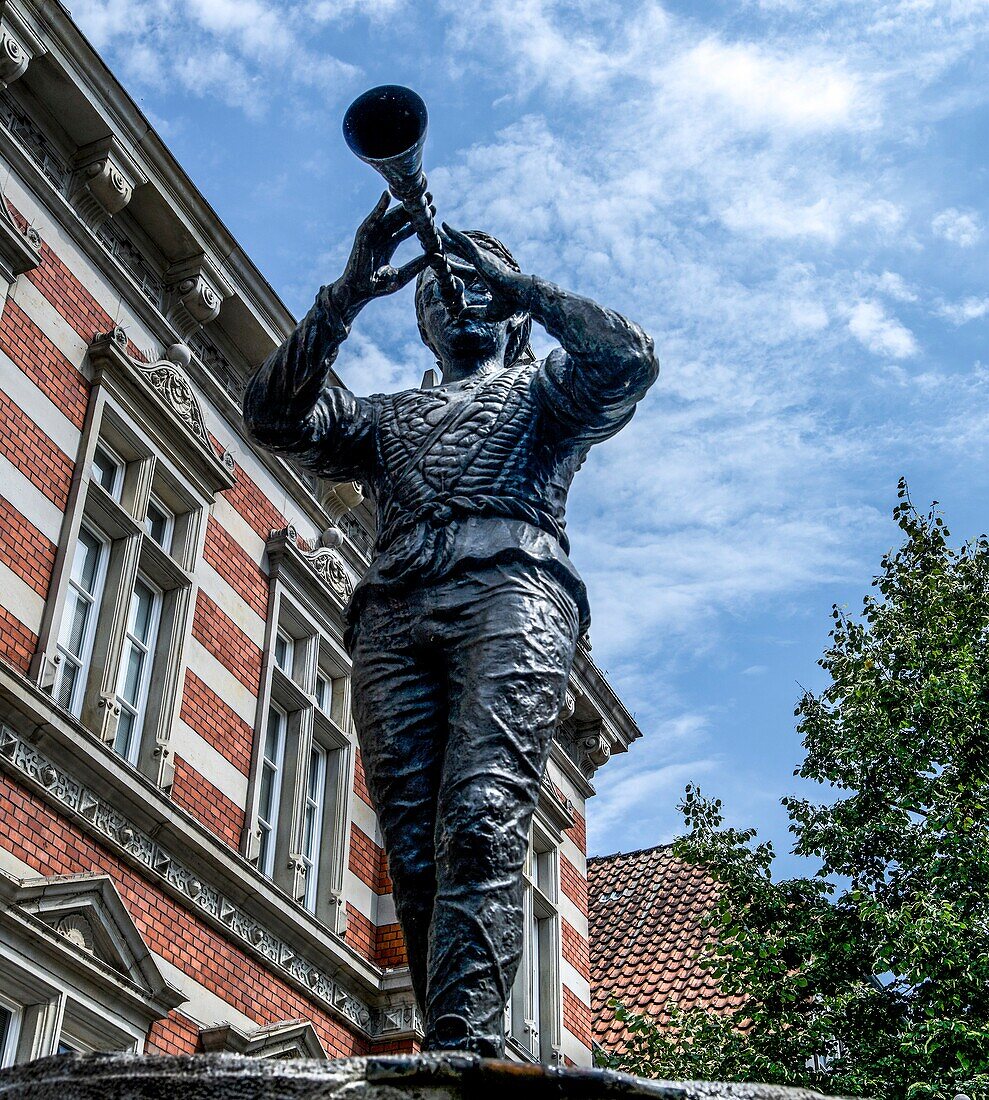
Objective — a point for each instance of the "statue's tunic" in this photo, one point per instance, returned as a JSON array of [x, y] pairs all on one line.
[[479, 474]]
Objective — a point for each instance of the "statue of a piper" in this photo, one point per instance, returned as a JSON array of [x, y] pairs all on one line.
[[463, 630]]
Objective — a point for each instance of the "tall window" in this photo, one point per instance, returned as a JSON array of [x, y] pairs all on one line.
[[120, 622], [272, 769], [10, 1018], [298, 803], [135, 667], [533, 1008], [314, 809], [75, 642]]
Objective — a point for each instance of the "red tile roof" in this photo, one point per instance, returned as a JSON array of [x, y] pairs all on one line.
[[645, 936]]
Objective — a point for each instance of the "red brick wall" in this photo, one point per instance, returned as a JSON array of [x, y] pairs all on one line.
[[360, 932], [207, 803], [576, 1017], [389, 946], [214, 629], [17, 643], [24, 549], [360, 780], [72, 300], [578, 832], [574, 884], [35, 833], [368, 861], [25, 445], [43, 363], [216, 723], [176, 1034], [236, 567], [575, 949], [252, 505]]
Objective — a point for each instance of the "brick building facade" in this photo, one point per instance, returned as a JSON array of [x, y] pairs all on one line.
[[189, 860]]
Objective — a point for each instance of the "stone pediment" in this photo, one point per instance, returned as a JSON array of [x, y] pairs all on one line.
[[88, 916], [283, 1039]]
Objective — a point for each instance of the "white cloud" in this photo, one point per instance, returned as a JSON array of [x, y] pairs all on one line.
[[895, 286], [968, 309], [762, 90], [961, 227], [881, 334]]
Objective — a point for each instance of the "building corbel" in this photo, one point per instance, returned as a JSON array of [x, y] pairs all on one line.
[[196, 290], [103, 180], [19, 46]]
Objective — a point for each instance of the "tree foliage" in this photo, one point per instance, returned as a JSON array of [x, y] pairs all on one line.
[[869, 976]]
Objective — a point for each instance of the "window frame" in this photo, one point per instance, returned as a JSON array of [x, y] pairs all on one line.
[[316, 639], [138, 708], [82, 661]]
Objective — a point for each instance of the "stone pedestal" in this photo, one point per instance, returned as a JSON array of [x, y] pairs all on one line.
[[395, 1077]]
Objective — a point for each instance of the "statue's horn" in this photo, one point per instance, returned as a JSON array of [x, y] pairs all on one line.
[[386, 128]]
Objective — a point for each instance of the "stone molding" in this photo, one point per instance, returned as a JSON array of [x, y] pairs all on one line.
[[283, 1039], [195, 291], [103, 180], [76, 800]]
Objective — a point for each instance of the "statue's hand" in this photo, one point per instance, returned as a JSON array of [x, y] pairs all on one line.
[[509, 289], [369, 272]]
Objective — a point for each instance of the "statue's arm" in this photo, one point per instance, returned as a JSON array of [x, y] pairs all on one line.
[[605, 363], [288, 406]]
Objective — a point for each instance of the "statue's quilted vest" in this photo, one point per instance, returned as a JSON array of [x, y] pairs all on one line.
[[495, 454]]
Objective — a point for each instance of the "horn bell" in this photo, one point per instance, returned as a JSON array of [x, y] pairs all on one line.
[[386, 128]]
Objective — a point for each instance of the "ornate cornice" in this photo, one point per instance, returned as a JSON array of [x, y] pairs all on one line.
[[77, 800]]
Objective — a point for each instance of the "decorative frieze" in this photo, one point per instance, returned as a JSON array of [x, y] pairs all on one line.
[[196, 290], [19, 756], [103, 180]]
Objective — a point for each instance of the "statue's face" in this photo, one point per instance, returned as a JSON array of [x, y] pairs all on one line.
[[456, 337]]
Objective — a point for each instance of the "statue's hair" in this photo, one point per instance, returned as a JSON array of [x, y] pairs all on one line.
[[518, 344]]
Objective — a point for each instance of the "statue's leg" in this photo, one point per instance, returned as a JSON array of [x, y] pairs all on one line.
[[510, 647], [399, 707]]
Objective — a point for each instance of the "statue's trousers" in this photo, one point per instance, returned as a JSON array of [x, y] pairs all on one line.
[[458, 686]]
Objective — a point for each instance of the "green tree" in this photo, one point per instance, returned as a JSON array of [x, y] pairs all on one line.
[[878, 962]]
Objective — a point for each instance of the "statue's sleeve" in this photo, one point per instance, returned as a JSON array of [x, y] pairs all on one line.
[[591, 384], [290, 408]]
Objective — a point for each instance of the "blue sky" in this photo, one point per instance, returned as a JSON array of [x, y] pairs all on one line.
[[790, 195]]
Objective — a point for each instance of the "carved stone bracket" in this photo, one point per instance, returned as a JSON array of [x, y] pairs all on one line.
[[196, 290], [587, 744], [103, 180], [340, 498], [19, 46]]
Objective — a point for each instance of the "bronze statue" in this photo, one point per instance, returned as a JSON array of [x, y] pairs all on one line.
[[463, 630]]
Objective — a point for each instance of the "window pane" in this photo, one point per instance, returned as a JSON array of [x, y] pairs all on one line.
[[324, 692], [273, 737], [268, 776], [107, 470], [86, 560], [133, 668], [77, 608], [158, 524], [124, 741], [65, 684], [142, 608]]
